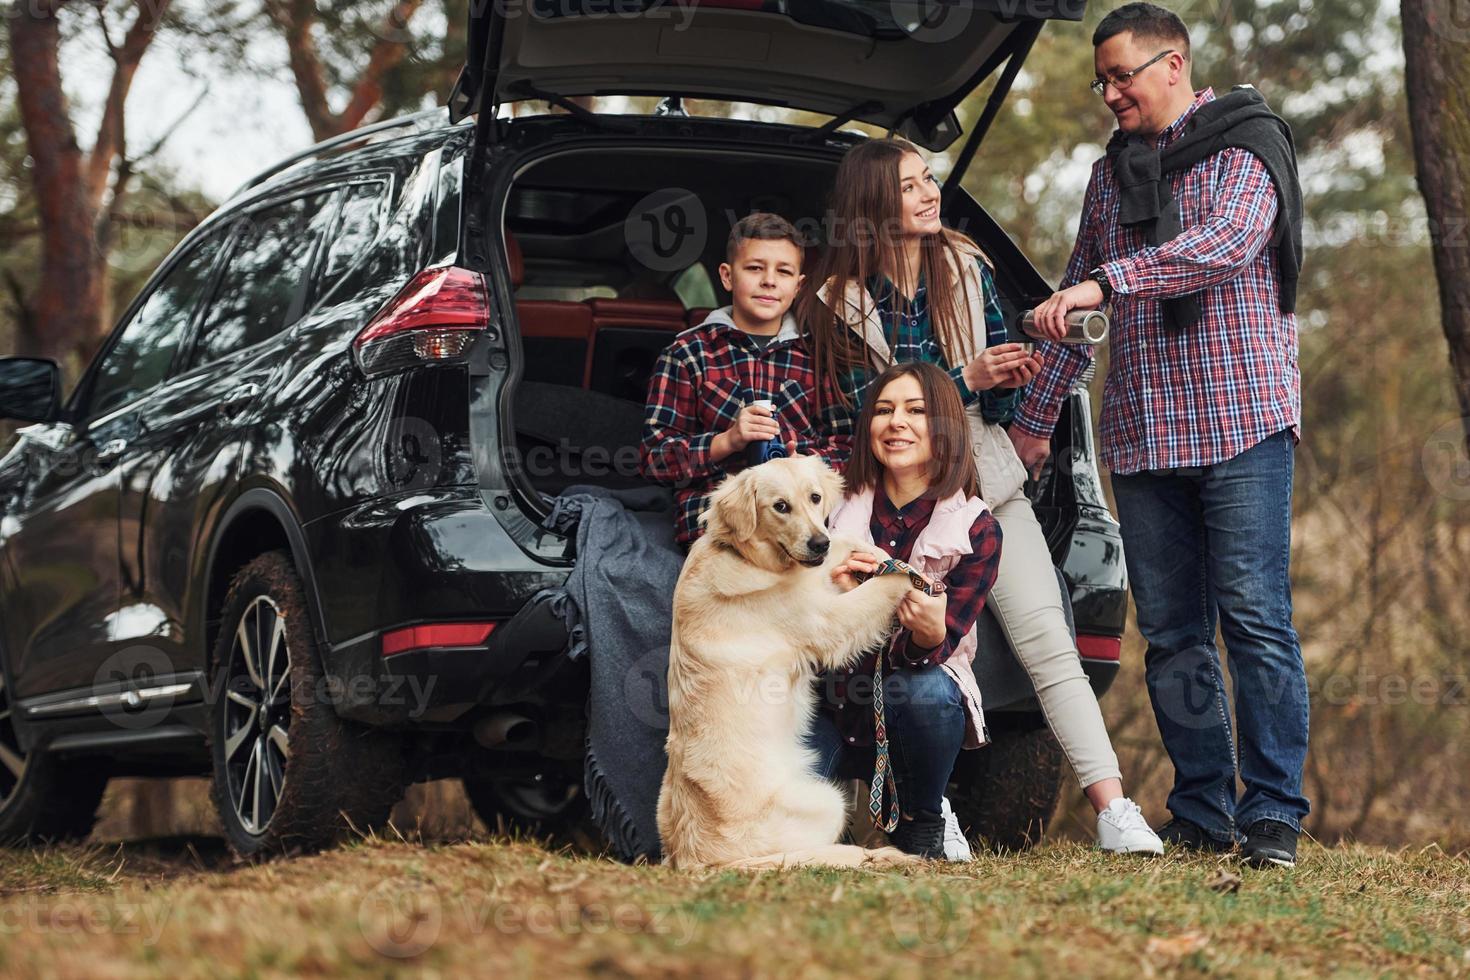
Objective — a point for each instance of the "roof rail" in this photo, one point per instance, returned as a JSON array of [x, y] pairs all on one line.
[[336, 142]]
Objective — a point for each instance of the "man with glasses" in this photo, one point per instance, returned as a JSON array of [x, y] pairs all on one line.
[[1191, 229]]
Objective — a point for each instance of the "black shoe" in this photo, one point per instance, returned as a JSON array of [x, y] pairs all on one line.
[[1190, 836], [1270, 842], [922, 836]]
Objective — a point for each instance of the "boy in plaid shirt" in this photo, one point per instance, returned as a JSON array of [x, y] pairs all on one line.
[[700, 414]]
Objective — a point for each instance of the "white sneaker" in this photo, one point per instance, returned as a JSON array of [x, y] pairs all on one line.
[[1121, 829], [956, 848]]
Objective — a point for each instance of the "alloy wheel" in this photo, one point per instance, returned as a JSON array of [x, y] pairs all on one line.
[[12, 759], [257, 714], [538, 798]]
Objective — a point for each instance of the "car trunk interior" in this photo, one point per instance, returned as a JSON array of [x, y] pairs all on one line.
[[595, 306]]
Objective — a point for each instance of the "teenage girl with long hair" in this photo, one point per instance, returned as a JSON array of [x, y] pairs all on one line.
[[893, 284]]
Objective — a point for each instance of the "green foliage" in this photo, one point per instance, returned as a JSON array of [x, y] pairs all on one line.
[[1331, 69]]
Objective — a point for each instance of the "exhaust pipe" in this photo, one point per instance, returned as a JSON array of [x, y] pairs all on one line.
[[505, 729]]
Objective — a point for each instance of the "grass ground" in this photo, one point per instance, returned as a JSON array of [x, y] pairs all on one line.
[[179, 908]]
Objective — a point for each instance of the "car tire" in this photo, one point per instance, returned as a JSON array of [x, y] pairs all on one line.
[[289, 774], [1005, 793], [547, 807], [52, 803], [43, 799]]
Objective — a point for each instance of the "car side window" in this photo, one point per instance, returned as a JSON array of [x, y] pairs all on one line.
[[695, 288], [141, 356], [260, 291], [358, 222]]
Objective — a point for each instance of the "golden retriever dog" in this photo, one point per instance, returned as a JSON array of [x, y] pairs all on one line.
[[756, 616]]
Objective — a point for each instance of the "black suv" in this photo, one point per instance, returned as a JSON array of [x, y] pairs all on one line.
[[287, 527]]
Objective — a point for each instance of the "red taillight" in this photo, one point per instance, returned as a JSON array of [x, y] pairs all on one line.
[[436, 635], [1099, 647], [445, 298], [432, 319]]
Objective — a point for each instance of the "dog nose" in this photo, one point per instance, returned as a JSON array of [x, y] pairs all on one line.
[[818, 544]]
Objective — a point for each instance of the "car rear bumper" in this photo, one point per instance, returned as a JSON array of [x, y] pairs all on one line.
[[522, 660], [1006, 687], [425, 559], [441, 557]]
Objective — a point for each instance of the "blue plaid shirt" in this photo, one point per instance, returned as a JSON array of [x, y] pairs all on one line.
[[911, 337]]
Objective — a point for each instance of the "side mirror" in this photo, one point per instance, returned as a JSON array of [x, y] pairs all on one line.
[[30, 389]]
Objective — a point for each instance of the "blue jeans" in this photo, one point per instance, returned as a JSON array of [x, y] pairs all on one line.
[[926, 730], [1207, 545]]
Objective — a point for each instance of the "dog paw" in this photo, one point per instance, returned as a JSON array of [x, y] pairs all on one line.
[[888, 857]]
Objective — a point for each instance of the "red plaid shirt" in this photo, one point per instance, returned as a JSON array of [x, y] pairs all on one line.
[[1207, 393], [849, 693], [697, 388]]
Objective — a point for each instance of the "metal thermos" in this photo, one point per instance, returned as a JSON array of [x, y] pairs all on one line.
[[1083, 327], [759, 452]]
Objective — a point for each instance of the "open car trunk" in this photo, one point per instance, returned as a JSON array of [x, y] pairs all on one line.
[[613, 252], [593, 309], [903, 65]]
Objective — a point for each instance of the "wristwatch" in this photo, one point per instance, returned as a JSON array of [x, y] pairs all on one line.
[[1101, 278]]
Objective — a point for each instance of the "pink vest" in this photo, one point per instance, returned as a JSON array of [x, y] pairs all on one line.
[[944, 540]]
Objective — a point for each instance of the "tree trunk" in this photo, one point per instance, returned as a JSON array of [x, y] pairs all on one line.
[[1437, 76], [296, 20], [68, 314], [65, 304]]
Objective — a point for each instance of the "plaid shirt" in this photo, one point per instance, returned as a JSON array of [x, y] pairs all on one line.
[[697, 388], [1208, 393], [911, 338], [849, 693]]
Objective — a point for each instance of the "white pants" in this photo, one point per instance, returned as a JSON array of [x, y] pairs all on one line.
[[1028, 607]]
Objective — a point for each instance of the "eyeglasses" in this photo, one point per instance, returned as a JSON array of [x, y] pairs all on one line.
[[1124, 79]]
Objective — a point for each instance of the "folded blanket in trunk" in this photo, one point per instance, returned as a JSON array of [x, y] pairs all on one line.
[[618, 607]]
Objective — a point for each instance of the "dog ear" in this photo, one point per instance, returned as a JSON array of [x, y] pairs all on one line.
[[833, 488], [732, 510]]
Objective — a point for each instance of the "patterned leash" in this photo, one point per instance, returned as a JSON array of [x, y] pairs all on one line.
[[883, 784]]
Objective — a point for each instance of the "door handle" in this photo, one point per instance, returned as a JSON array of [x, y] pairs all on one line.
[[111, 450]]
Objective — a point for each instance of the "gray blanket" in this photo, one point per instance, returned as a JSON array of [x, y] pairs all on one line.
[[618, 606]]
